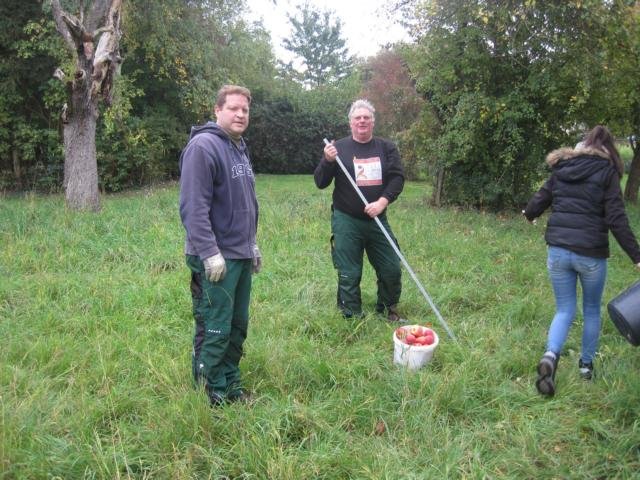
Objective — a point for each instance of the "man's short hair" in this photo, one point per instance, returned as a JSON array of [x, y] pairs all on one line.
[[362, 103], [231, 90]]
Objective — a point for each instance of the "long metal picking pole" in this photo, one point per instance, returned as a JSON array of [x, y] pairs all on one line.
[[395, 248]]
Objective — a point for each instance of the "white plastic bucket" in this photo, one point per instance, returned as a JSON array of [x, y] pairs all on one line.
[[413, 356]]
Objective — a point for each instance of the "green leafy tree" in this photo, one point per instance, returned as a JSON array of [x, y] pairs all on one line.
[[30, 98], [175, 63], [316, 39], [178, 55], [626, 65], [614, 88], [503, 84]]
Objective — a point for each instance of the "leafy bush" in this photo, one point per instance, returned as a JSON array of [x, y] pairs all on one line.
[[286, 134], [137, 150]]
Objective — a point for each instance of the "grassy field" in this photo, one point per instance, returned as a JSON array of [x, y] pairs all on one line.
[[96, 328]]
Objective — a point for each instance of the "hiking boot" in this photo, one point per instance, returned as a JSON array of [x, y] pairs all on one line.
[[586, 370], [547, 373]]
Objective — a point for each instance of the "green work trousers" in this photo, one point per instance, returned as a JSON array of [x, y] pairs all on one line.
[[351, 237], [221, 313]]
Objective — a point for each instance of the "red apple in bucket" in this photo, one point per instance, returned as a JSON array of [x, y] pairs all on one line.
[[414, 345], [415, 335]]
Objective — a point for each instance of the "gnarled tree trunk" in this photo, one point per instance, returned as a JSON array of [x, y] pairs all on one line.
[[92, 81]]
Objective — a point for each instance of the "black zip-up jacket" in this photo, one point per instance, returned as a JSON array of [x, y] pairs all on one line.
[[584, 194]]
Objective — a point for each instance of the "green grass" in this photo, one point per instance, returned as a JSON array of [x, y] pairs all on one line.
[[96, 340]]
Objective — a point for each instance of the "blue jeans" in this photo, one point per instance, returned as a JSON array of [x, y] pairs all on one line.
[[564, 268]]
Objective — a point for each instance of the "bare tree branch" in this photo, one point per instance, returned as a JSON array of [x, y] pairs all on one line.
[[61, 26], [107, 57], [75, 27]]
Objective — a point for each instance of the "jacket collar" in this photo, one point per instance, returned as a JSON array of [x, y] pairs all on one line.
[[567, 153]]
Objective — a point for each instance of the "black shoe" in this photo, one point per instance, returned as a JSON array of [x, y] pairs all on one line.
[[215, 399], [586, 370], [546, 374], [240, 396], [346, 311]]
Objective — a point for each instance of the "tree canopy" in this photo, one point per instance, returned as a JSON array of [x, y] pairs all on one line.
[[475, 101], [504, 83], [317, 40]]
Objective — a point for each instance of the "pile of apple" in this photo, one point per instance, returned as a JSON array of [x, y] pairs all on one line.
[[415, 335]]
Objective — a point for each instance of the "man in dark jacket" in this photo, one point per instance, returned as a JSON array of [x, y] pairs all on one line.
[[219, 211], [374, 163]]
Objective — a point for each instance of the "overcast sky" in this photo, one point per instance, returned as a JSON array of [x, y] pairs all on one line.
[[365, 25]]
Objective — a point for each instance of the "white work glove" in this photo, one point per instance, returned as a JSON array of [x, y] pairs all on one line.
[[257, 259], [638, 266], [215, 268]]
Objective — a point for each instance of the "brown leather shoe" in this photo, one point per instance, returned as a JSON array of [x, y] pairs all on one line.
[[393, 316]]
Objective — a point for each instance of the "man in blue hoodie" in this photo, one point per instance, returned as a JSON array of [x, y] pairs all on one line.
[[219, 211]]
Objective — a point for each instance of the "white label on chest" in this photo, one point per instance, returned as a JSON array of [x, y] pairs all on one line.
[[368, 171]]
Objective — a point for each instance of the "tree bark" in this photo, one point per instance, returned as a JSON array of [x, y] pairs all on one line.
[[96, 68], [633, 180], [436, 198], [81, 167], [15, 161]]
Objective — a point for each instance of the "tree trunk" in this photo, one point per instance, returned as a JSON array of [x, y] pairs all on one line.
[[633, 180], [436, 198], [81, 168], [17, 171], [96, 68]]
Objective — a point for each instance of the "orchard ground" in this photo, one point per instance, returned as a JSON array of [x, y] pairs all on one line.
[[95, 365]]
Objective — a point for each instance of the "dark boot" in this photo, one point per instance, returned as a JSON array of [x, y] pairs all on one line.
[[547, 373], [215, 399], [241, 396], [586, 370]]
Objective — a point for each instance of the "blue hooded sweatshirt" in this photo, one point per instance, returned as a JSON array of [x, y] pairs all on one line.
[[218, 204]]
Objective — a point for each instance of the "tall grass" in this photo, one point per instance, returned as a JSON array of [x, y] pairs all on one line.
[[96, 333]]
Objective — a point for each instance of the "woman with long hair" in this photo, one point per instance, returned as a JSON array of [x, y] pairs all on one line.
[[586, 203]]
